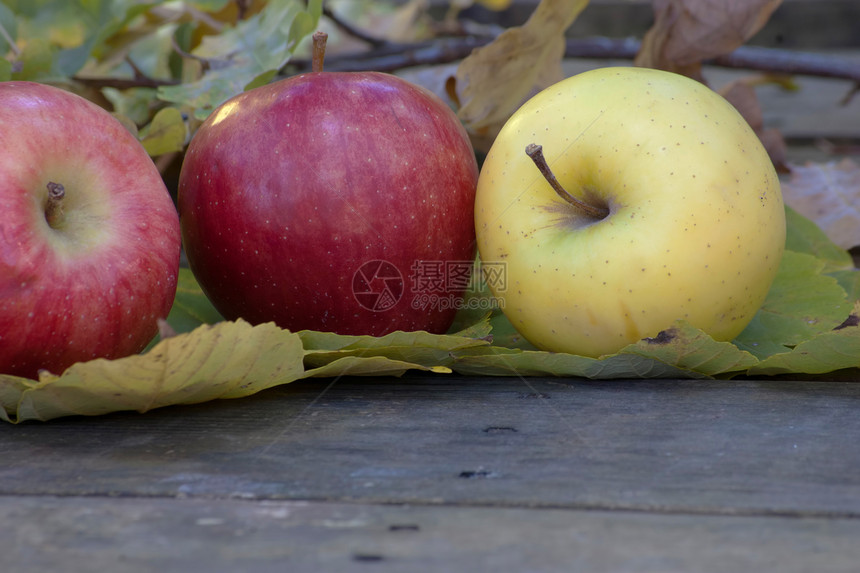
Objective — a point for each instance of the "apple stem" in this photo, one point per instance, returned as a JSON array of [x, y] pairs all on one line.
[[318, 54], [54, 206], [535, 152]]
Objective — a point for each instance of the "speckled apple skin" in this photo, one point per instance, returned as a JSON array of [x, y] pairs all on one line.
[[288, 189], [696, 228], [96, 287]]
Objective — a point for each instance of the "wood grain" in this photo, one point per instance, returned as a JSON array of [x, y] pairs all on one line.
[[732, 448]]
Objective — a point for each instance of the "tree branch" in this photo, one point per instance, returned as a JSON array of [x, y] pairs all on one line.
[[352, 30], [390, 57]]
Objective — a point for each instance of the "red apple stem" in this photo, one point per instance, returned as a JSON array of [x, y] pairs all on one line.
[[535, 152], [54, 205], [318, 55]]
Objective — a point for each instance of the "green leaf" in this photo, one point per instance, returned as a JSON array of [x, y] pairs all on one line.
[[165, 133], [133, 103], [691, 349], [850, 282], [369, 366], [801, 303], [100, 19], [5, 70], [480, 328], [681, 351], [8, 28], [191, 307], [479, 304], [209, 5], [261, 80], [36, 60], [498, 361], [837, 349], [206, 94], [305, 23], [804, 236], [425, 349], [504, 333], [59, 38], [314, 340], [244, 56]]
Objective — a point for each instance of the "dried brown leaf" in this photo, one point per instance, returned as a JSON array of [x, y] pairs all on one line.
[[829, 194], [495, 79], [741, 94], [686, 32]]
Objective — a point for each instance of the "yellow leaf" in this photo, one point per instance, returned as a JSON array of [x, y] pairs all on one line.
[[369, 366], [495, 4], [165, 133], [495, 79], [226, 360]]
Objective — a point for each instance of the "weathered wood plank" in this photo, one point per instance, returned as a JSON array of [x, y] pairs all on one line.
[[739, 447], [129, 535]]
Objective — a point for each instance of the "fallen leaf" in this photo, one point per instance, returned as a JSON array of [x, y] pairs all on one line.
[[686, 32], [805, 236], [415, 348], [849, 281], [226, 360], [690, 348], [828, 194], [802, 303], [499, 361], [827, 352], [369, 366], [495, 79]]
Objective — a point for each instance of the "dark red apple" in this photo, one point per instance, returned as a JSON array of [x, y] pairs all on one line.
[[89, 236], [339, 202]]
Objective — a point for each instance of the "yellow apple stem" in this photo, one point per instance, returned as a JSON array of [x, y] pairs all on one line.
[[318, 54], [54, 206], [535, 152]]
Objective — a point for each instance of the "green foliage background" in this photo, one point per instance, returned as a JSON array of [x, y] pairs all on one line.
[[156, 64]]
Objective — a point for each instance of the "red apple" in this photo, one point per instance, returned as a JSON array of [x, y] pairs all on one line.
[[89, 236], [339, 202]]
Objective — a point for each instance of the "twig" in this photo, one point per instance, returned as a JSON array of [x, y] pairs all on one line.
[[352, 30], [123, 83], [789, 62], [390, 57]]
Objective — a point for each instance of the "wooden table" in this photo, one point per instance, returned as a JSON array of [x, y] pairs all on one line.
[[447, 473]]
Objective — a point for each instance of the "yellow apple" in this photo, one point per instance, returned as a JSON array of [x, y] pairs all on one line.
[[686, 215]]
